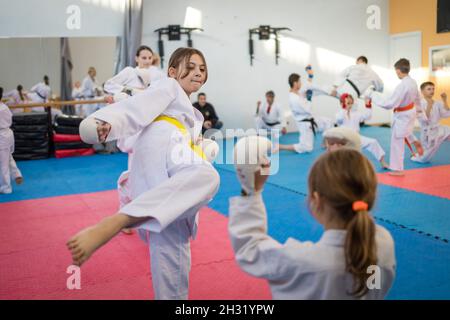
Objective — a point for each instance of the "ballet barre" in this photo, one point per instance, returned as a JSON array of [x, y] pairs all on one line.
[[54, 104]]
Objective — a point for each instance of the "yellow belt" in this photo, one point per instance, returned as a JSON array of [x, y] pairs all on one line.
[[197, 149]]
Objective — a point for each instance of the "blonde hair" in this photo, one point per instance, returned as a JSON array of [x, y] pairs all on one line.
[[156, 61], [182, 56], [341, 178]]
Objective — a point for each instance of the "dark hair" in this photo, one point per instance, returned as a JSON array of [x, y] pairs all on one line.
[[201, 94], [46, 80], [426, 84], [142, 48], [293, 78], [341, 178], [403, 65], [1, 93], [19, 89], [270, 93], [363, 59], [182, 55]]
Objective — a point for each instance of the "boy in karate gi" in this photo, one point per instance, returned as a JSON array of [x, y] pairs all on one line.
[[269, 116], [356, 79], [432, 135], [350, 117], [301, 107], [170, 177], [8, 167], [403, 102]]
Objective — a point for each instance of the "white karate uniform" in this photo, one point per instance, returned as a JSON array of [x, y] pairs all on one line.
[[432, 135], [13, 97], [77, 94], [362, 76], [39, 93], [166, 190], [272, 121], [301, 110], [403, 122], [130, 78], [301, 270], [89, 91], [8, 167], [352, 121]]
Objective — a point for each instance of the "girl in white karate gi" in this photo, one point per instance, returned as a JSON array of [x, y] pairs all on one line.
[[350, 117], [432, 135], [269, 116], [403, 102], [17, 96], [356, 79], [354, 259], [169, 178], [301, 108], [8, 167], [129, 82]]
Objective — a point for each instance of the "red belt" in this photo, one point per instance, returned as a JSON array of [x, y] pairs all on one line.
[[406, 108]]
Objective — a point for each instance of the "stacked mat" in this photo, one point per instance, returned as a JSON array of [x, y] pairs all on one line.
[[67, 138], [31, 135]]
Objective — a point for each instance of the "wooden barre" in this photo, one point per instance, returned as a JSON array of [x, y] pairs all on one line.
[[55, 104]]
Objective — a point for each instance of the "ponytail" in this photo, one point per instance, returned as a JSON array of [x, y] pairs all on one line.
[[360, 250], [341, 177], [19, 89]]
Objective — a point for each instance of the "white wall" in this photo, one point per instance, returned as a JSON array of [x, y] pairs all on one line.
[[329, 34], [48, 18]]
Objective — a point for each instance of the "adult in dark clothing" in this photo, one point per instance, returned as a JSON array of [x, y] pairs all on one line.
[[207, 109]]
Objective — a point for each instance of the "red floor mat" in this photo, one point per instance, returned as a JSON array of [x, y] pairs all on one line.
[[33, 257], [434, 181]]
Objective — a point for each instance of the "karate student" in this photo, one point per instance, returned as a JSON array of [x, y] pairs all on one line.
[[432, 135], [170, 180], [403, 102], [77, 94], [342, 191], [350, 117], [8, 167], [301, 107], [269, 116], [17, 96], [131, 81], [356, 79], [90, 89], [40, 92]]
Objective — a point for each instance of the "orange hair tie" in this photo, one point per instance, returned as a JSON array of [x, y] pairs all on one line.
[[360, 206]]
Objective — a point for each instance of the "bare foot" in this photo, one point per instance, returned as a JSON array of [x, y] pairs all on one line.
[[127, 231], [397, 173], [19, 180], [418, 147], [333, 93], [87, 241]]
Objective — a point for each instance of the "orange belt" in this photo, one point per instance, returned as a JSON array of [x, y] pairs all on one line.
[[406, 108]]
